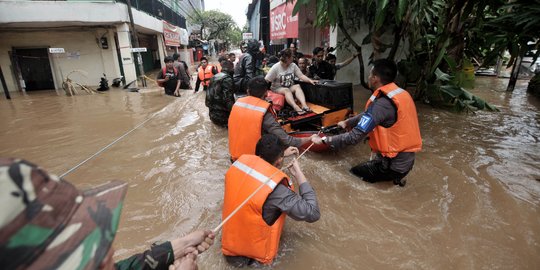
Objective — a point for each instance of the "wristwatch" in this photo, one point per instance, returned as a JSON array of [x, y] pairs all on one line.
[[324, 139]]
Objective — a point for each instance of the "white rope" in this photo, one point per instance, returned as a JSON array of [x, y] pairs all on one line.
[[121, 137], [105, 148]]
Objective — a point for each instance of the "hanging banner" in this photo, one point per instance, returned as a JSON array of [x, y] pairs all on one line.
[[282, 23], [184, 37], [171, 34]]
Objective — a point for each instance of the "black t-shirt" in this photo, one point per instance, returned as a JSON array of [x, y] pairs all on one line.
[[170, 85], [322, 70]]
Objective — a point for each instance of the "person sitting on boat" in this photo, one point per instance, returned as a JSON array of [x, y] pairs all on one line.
[[391, 121], [250, 118], [252, 235], [282, 75]]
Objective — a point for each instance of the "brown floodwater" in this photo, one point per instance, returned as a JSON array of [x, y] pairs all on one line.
[[472, 200]]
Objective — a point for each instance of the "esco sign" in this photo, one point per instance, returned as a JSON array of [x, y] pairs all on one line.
[[282, 23], [278, 21]]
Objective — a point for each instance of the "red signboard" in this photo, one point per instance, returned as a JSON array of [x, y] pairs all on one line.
[[282, 23], [171, 34]]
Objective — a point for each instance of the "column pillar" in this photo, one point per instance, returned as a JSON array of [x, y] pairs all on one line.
[[126, 55]]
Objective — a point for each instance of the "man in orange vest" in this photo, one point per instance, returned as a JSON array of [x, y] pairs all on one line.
[[250, 118], [252, 235], [205, 72], [391, 121]]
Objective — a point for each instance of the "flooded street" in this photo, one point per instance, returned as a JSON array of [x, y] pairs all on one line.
[[472, 200]]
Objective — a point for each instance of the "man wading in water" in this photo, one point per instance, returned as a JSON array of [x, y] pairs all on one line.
[[252, 235], [391, 121]]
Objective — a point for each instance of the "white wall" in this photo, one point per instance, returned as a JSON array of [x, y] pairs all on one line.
[[92, 60], [64, 24], [61, 11], [351, 73]]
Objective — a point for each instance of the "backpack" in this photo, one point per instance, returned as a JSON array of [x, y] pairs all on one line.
[[214, 92], [163, 71]]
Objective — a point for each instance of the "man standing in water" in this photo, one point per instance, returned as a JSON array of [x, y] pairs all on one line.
[[252, 235], [250, 118], [247, 67], [204, 73], [391, 121], [220, 95], [169, 78]]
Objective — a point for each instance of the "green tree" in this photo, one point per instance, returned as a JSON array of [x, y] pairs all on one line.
[[513, 27], [218, 24], [234, 35], [433, 31]]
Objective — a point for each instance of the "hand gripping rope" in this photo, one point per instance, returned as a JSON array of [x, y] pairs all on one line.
[[218, 228]]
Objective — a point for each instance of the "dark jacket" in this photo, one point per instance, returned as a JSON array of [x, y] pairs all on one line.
[[322, 70], [182, 74], [246, 68], [220, 98]]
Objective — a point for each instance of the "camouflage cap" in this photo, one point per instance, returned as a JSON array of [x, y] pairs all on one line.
[[46, 223]]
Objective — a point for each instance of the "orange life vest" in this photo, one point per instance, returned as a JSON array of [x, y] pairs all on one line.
[[245, 125], [246, 233], [205, 74], [402, 136]]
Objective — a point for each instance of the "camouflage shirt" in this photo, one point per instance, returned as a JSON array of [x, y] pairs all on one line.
[[220, 98], [159, 256]]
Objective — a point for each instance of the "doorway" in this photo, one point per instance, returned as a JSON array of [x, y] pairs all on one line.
[[35, 68]]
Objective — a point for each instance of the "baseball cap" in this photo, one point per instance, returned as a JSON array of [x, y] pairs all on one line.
[[47, 223]]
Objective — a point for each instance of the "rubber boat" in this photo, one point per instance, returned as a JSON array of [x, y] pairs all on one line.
[[329, 101]]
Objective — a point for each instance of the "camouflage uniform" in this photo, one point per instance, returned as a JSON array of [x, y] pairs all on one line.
[[220, 98], [46, 223], [159, 256]]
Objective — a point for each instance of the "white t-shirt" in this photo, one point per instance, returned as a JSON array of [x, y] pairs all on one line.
[[281, 77]]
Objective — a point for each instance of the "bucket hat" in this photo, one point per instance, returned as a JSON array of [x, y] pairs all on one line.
[[47, 223]]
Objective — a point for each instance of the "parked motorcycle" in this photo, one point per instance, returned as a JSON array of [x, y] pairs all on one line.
[[117, 81], [103, 83]]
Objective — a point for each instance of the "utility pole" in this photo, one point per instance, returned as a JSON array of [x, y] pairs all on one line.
[[4, 85], [135, 40]]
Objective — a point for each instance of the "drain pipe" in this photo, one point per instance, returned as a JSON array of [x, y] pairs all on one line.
[[4, 85], [135, 41]]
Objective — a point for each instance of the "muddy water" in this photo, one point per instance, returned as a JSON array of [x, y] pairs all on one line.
[[471, 202]]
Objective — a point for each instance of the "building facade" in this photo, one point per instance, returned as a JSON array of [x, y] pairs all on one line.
[[43, 42], [272, 22]]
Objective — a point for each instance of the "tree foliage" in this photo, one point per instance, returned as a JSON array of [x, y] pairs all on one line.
[[218, 25], [438, 34]]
